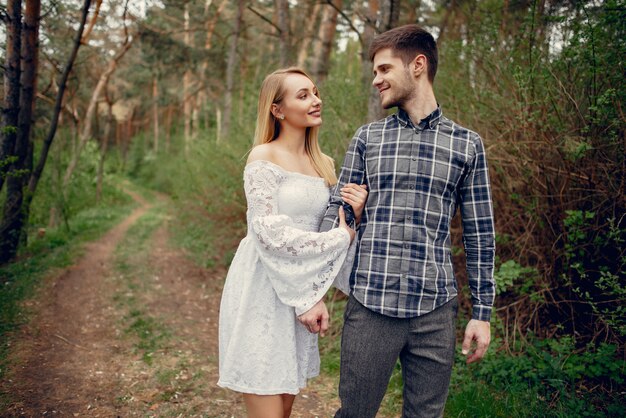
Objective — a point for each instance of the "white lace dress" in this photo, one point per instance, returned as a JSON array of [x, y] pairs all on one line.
[[281, 269]]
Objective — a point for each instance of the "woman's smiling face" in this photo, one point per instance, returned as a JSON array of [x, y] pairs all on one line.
[[301, 104]]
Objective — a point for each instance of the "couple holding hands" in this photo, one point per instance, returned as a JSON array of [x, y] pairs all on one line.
[[380, 233]]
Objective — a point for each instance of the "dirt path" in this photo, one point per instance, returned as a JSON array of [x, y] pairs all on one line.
[[130, 330]]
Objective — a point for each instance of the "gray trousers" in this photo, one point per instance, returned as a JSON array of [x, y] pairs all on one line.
[[370, 346]]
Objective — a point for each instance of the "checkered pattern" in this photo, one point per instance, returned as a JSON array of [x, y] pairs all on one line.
[[417, 176]]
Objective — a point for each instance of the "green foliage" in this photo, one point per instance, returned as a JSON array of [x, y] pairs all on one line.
[[471, 397], [509, 274], [8, 130], [575, 148], [597, 267], [7, 161], [55, 204], [551, 370], [575, 222]]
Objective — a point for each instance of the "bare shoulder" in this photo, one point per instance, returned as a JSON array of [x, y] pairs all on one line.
[[264, 152]]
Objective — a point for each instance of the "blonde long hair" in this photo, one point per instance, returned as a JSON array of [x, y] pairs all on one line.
[[268, 127]]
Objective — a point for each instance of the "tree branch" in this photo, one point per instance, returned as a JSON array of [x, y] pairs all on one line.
[[92, 23], [265, 19], [331, 4]]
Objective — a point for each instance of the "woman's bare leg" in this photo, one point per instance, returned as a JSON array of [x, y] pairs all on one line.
[[287, 404], [267, 406]]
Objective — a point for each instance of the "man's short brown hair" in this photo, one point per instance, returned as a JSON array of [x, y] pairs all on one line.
[[407, 42]]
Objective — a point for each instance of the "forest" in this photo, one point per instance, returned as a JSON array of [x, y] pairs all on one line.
[[159, 97]]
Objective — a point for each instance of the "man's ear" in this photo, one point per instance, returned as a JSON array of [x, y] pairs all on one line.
[[419, 65]]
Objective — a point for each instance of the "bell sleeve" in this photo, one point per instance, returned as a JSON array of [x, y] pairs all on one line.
[[301, 265]]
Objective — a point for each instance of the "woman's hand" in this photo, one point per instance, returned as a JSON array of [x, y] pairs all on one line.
[[343, 224], [355, 195], [316, 319]]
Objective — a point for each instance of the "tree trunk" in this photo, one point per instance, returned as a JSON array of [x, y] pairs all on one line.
[[155, 113], [14, 216], [168, 128], [374, 109], [218, 128], [86, 132], [243, 75], [30, 64], [11, 106], [303, 55], [195, 122], [411, 15], [208, 43], [187, 85], [126, 134], [282, 8], [324, 44], [103, 149], [231, 70], [390, 15]]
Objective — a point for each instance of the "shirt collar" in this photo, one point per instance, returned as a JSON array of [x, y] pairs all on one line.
[[429, 121]]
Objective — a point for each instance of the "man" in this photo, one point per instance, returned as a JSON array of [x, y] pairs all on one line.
[[419, 167]]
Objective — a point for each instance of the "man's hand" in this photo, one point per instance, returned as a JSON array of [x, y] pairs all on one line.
[[480, 332], [316, 319]]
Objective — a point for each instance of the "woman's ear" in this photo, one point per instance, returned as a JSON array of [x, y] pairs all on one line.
[[275, 110]]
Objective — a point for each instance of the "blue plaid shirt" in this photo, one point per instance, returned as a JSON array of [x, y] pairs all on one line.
[[416, 178]]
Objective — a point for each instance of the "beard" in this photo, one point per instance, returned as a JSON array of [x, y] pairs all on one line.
[[400, 94]]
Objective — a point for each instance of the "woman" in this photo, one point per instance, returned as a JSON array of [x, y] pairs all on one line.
[[283, 267]]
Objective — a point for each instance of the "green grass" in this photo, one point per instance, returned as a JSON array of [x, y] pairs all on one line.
[[148, 333]]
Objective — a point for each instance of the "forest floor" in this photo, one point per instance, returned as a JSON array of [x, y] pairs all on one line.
[[130, 330]]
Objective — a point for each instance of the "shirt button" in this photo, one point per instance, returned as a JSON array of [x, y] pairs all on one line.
[[414, 158], [411, 186], [406, 246]]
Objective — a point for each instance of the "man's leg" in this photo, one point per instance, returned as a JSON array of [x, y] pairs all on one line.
[[427, 361], [370, 345]]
